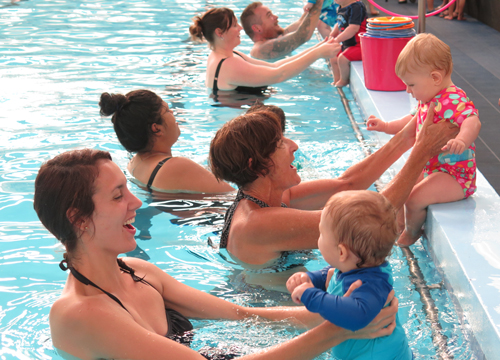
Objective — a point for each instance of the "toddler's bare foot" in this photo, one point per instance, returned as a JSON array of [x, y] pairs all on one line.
[[341, 83], [406, 240]]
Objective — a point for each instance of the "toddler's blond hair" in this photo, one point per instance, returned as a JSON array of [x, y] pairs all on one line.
[[424, 50], [365, 222]]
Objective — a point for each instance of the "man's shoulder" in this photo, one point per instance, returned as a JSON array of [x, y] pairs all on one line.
[[262, 49]]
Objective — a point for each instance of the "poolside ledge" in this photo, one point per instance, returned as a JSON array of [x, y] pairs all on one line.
[[462, 237]]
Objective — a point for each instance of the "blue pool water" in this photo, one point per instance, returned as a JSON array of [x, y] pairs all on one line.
[[56, 58]]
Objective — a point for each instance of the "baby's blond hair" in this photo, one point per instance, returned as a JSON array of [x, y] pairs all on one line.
[[365, 222], [424, 50]]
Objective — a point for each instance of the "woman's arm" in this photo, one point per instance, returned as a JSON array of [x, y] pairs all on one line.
[[238, 72], [282, 61], [184, 174], [90, 328], [314, 194]]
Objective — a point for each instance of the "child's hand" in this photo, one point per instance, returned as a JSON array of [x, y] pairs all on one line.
[[375, 124], [299, 290], [330, 48], [308, 6], [296, 280], [454, 146]]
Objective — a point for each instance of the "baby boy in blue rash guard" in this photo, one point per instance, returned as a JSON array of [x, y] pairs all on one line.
[[357, 232]]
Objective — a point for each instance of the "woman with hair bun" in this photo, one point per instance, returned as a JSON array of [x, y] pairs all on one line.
[[232, 70], [146, 126]]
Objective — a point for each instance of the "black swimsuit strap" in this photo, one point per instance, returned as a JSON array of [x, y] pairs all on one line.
[[230, 212], [215, 88], [86, 281], [155, 171]]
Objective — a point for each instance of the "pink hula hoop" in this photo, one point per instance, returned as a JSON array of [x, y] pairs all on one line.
[[411, 17]]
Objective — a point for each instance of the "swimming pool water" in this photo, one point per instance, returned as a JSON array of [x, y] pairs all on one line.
[[56, 58]]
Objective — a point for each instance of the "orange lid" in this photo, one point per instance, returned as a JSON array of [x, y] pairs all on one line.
[[390, 20]]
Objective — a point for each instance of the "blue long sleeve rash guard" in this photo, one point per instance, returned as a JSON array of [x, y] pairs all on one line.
[[353, 312]]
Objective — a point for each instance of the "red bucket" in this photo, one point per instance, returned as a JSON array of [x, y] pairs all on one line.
[[379, 62]]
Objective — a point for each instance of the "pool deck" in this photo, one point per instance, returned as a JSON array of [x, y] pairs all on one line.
[[461, 236]]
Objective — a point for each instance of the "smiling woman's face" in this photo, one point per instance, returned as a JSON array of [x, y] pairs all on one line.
[[232, 35], [114, 212], [282, 172]]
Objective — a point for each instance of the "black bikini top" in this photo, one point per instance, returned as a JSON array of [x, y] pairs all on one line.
[[179, 326], [240, 89], [155, 171], [230, 212]]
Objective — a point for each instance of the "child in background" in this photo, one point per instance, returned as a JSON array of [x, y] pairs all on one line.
[[425, 66], [357, 232], [327, 18], [351, 20]]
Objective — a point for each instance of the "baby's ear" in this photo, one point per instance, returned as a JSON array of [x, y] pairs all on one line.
[[344, 252], [437, 77]]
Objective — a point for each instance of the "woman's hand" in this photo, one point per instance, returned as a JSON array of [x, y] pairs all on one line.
[[383, 325], [432, 138], [329, 48]]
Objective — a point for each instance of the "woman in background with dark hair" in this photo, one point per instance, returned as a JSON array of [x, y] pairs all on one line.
[[232, 70], [146, 127], [128, 308]]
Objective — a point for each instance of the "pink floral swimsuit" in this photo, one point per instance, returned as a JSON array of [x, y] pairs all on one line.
[[453, 105]]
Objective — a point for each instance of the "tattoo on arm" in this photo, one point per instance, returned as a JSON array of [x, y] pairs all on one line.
[[289, 42]]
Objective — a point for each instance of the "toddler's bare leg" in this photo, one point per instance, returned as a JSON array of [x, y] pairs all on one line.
[[335, 69], [344, 68], [434, 189]]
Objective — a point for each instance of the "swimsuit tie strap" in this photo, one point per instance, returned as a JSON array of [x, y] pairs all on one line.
[[86, 281]]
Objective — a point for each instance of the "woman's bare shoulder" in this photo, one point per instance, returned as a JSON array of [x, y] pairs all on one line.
[[71, 316]]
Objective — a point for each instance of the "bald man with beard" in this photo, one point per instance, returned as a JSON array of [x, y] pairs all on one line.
[[270, 39]]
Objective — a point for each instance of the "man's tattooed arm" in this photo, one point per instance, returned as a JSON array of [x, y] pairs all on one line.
[[285, 44]]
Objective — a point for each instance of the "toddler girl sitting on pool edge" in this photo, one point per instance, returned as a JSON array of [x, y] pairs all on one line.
[[357, 232], [425, 66]]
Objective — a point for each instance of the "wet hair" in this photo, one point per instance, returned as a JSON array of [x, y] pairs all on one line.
[[64, 188], [241, 150], [133, 115], [204, 26], [259, 106], [424, 50], [365, 222], [248, 18]]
